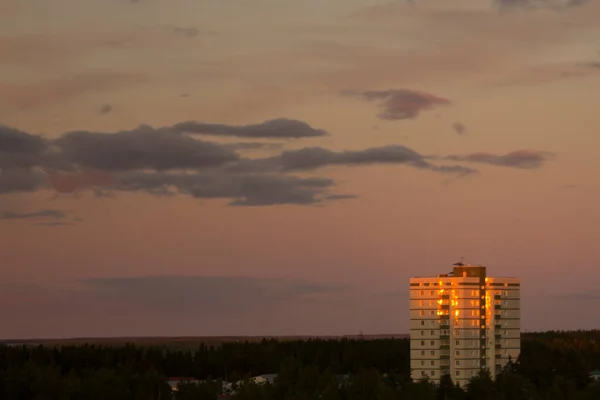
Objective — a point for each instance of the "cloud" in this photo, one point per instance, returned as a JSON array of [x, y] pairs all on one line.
[[105, 109], [399, 104], [459, 128], [523, 159], [15, 180], [185, 32], [50, 224], [276, 128], [243, 189], [167, 161], [253, 146], [47, 213], [317, 157], [181, 296], [533, 4], [549, 72], [144, 147], [19, 149]]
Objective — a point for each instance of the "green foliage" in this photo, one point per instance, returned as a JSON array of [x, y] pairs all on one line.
[[552, 366]]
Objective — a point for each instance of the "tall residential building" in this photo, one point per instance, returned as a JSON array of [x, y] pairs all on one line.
[[463, 322]]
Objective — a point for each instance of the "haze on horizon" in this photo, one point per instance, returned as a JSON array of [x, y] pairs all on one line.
[[263, 167]]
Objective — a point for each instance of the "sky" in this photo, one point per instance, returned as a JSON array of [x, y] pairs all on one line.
[[269, 167]]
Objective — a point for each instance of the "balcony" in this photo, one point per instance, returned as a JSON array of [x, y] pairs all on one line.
[[444, 347], [444, 336], [497, 297], [444, 326], [445, 297]]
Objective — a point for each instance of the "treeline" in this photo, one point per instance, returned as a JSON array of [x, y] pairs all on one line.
[[553, 366]]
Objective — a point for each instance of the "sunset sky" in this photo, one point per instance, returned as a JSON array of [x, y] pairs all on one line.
[[248, 167]]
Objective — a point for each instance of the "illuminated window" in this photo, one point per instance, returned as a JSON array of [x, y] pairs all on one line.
[[420, 303]]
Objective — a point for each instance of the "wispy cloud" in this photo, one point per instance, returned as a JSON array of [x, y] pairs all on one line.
[[276, 128], [401, 104], [47, 213], [105, 109], [523, 159], [459, 128]]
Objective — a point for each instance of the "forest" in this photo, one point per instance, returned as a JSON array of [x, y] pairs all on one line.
[[552, 366]]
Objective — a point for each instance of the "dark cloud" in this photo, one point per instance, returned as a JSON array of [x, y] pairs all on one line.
[[243, 189], [555, 4], [105, 109], [180, 295], [316, 157], [524, 159], [185, 32], [50, 224], [19, 149], [253, 146], [276, 128], [141, 148], [401, 103], [194, 293], [459, 128], [169, 161], [47, 213], [341, 196], [593, 64], [15, 180]]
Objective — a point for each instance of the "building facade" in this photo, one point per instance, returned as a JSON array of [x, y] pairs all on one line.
[[463, 322]]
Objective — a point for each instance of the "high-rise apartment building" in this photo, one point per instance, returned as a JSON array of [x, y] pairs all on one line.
[[463, 322]]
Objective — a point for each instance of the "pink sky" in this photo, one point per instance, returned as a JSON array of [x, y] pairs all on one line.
[[330, 151]]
